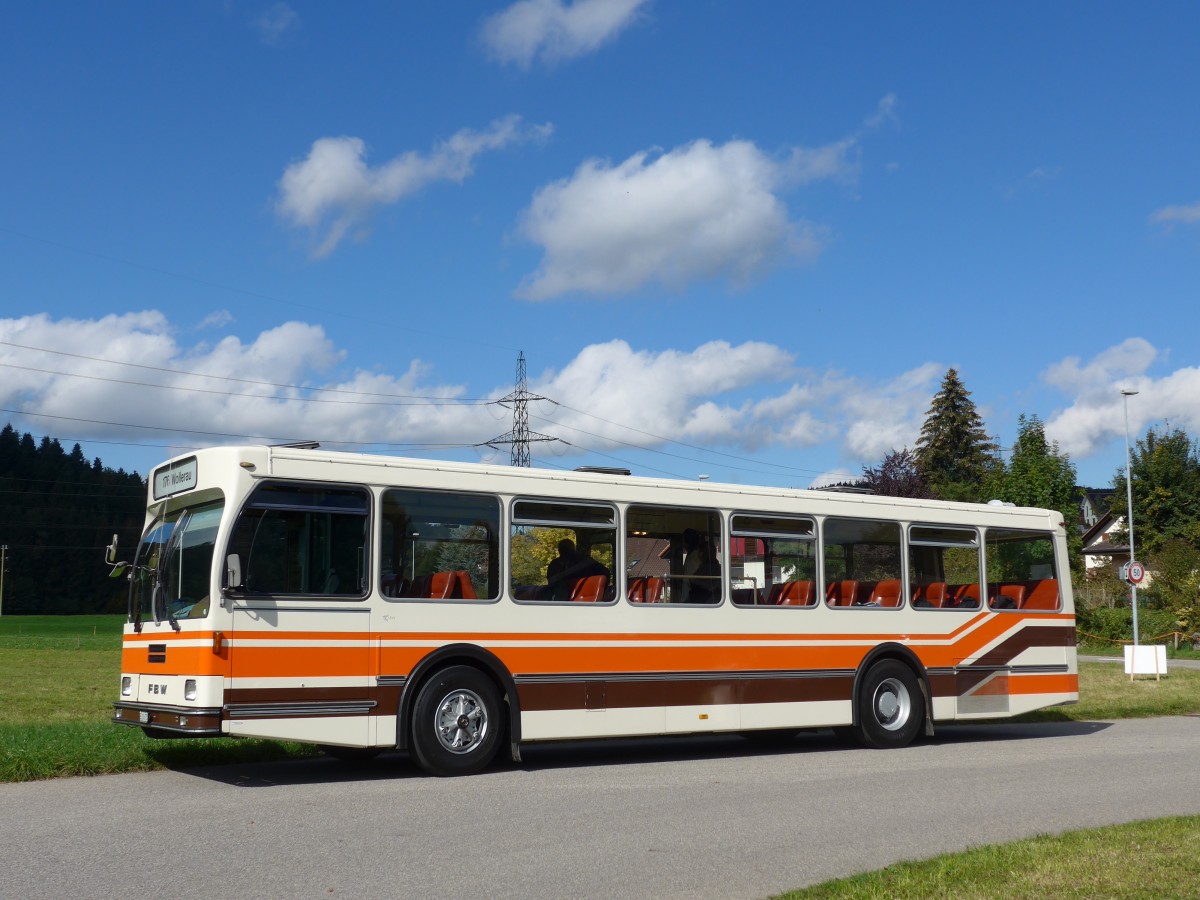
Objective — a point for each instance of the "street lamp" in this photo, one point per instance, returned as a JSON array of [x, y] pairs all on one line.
[[1125, 395]]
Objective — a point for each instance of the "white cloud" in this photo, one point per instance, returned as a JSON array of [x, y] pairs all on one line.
[[1095, 415], [1171, 215], [218, 319], [295, 353], [276, 24], [696, 212], [668, 393], [700, 211], [333, 190], [746, 396], [554, 31]]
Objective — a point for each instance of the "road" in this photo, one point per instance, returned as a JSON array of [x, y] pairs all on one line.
[[710, 817]]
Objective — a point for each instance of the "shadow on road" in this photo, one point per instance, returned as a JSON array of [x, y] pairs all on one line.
[[623, 751]]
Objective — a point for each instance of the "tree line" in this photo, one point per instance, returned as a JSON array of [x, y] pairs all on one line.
[[58, 512]]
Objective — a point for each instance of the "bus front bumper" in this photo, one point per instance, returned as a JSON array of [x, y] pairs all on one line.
[[176, 720]]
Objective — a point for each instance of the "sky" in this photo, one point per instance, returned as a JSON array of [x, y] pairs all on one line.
[[741, 241]]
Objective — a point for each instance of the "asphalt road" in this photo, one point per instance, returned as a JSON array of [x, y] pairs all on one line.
[[698, 817]]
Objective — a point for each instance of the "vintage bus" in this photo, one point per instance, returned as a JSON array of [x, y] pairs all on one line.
[[365, 602]]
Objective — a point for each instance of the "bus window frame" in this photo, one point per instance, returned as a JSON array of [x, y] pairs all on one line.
[[899, 525], [367, 548], [721, 540], [977, 544], [493, 498], [515, 521], [813, 539], [985, 583]]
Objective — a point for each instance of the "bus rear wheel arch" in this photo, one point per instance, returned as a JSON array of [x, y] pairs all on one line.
[[889, 706], [458, 722]]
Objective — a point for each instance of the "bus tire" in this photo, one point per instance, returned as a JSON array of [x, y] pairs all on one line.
[[457, 722], [890, 706]]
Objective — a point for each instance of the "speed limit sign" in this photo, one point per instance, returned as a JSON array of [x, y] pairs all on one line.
[[1135, 572]]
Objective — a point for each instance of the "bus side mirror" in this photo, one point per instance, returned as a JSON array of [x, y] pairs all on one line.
[[110, 557], [233, 571]]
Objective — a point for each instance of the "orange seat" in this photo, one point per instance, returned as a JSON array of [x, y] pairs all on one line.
[[796, 593], [590, 589], [441, 585], [886, 592], [644, 589], [1007, 596], [463, 589], [933, 594], [1041, 594], [841, 593]]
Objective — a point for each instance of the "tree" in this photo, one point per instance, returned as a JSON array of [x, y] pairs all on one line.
[[1176, 567], [897, 476], [1039, 475], [1166, 491], [954, 452]]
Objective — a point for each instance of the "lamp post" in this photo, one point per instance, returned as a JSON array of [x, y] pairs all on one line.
[[3, 565], [1126, 394]]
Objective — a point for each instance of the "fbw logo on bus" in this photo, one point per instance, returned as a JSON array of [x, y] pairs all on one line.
[[157, 689]]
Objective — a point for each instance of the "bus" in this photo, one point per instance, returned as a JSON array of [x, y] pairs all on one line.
[[366, 603]]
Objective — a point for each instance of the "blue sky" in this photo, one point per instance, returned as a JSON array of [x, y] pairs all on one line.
[[741, 240]]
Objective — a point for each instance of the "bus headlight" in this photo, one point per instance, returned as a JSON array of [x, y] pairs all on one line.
[[189, 689], [126, 685]]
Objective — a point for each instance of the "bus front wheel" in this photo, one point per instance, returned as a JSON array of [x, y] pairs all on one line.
[[457, 722], [890, 706]]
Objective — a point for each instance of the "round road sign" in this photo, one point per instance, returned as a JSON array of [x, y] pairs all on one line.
[[1135, 572]]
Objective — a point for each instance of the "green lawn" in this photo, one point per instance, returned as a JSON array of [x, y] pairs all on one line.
[[59, 676], [1150, 860]]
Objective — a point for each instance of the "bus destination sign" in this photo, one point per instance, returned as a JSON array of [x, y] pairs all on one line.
[[175, 478]]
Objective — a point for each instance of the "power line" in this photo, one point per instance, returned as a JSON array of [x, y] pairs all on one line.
[[427, 400]]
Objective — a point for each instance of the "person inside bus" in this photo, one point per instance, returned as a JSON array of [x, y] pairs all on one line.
[[568, 568], [700, 569]]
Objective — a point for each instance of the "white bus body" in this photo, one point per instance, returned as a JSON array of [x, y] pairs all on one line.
[[368, 602]]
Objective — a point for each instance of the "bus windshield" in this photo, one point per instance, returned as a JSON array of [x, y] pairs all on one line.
[[173, 567]]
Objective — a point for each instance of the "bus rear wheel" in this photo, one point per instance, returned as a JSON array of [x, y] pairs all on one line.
[[890, 706], [457, 722]]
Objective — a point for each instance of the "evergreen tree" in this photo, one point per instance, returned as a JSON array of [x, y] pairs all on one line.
[[57, 513], [954, 452]]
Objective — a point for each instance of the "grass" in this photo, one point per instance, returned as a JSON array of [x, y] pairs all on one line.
[[1148, 859], [1105, 692], [58, 680]]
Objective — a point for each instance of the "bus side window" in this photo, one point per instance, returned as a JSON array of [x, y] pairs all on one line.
[[943, 567], [863, 563], [1021, 571], [563, 551], [773, 560], [303, 539], [439, 546], [680, 545]]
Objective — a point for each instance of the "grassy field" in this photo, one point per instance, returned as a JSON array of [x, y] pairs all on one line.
[[58, 680], [1150, 859]]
